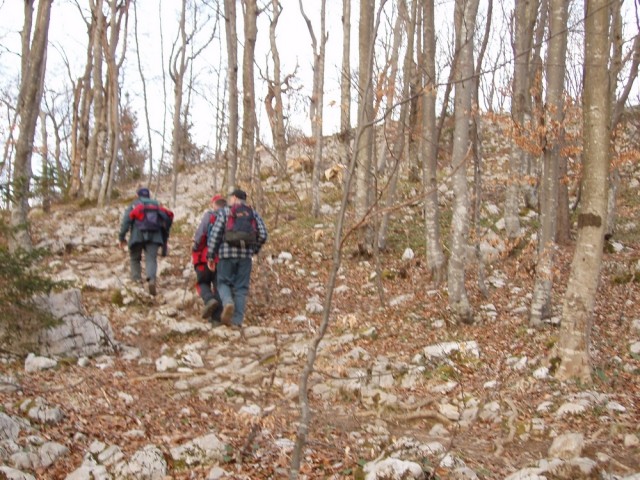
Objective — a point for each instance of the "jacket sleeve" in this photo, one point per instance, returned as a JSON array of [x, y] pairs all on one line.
[[125, 224], [216, 234], [201, 233], [262, 232]]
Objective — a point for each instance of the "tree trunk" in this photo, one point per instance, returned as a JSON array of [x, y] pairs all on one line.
[[465, 28], [34, 54], [248, 94], [364, 147], [95, 158], [316, 104], [345, 86], [572, 350], [273, 102], [525, 19], [232, 72], [428, 149], [554, 113], [177, 69]]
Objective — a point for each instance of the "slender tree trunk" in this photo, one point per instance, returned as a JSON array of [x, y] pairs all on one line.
[[364, 147], [556, 60], [31, 85], [95, 158], [458, 301], [345, 86], [429, 140], [273, 102], [232, 72], [248, 86], [404, 129], [177, 69], [572, 351], [144, 93], [316, 104], [524, 15]]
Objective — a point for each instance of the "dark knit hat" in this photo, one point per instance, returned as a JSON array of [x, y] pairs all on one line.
[[241, 194], [143, 192]]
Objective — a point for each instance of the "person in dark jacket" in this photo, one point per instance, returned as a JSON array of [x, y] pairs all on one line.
[[233, 269], [146, 234], [206, 278]]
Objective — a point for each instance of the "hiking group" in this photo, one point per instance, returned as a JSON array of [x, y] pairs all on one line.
[[228, 236]]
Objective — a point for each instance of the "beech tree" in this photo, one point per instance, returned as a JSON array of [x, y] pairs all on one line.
[[34, 53], [571, 354], [231, 35], [554, 122], [465, 11], [428, 147], [249, 123]]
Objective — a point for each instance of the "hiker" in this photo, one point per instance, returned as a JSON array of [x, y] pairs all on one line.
[[149, 224], [205, 277], [237, 234]]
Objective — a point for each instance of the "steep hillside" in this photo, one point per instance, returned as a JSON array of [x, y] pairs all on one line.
[[397, 387]]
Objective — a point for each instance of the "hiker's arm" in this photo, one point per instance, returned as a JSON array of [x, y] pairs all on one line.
[[201, 233], [125, 226], [215, 237], [262, 232]]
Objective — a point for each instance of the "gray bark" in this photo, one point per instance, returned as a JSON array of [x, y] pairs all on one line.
[[572, 350], [525, 19], [465, 29], [555, 64], [248, 86], [232, 72], [345, 85], [428, 149]]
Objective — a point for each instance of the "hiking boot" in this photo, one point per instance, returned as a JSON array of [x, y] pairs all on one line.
[[209, 307], [227, 313], [152, 287]]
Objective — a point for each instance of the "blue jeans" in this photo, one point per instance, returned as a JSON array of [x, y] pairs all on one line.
[[234, 275]]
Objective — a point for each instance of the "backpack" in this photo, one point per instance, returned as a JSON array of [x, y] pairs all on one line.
[[149, 216], [242, 228]]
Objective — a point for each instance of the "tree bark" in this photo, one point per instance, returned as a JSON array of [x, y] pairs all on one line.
[[345, 86], [232, 72], [525, 18], [466, 10], [428, 149], [248, 86], [31, 85], [572, 350], [364, 147], [317, 99], [554, 136]]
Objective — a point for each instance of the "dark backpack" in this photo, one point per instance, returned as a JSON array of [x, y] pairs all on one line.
[[149, 216], [242, 227]]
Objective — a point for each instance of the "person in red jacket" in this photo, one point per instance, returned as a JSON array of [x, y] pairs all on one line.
[[205, 278]]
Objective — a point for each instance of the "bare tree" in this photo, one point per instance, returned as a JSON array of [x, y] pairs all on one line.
[[97, 138], [428, 148], [525, 19], [466, 11], [247, 149], [34, 54], [179, 61], [571, 353], [232, 72], [555, 65], [273, 101], [119, 10], [364, 147], [345, 84], [317, 99], [144, 90]]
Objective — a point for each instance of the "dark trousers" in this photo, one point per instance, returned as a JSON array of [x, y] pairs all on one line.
[[206, 287], [150, 260]]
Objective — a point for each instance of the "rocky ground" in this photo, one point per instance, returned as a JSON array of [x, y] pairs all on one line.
[[134, 386]]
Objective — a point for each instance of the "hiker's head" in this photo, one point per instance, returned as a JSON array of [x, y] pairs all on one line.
[[218, 201], [143, 192], [238, 195]]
